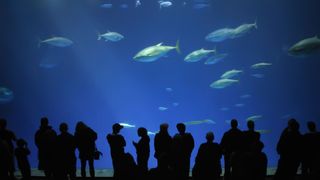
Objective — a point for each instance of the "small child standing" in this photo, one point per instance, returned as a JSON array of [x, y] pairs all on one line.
[[21, 152]]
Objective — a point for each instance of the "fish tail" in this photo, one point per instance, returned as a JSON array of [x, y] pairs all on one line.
[[99, 35], [255, 23], [39, 42], [178, 47]]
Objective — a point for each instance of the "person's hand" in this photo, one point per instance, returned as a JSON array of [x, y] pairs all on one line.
[[134, 143]]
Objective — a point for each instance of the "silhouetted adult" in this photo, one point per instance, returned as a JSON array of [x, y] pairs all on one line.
[[162, 171], [182, 146], [207, 164], [66, 146], [22, 152], [85, 141], [231, 143], [4, 159], [250, 137], [311, 153], [289, 148], [162, 146], [8, 136], [45, 140], [117, 143], [143, 151]]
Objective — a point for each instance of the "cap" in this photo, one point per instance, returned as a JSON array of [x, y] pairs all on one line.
[[117, 126]]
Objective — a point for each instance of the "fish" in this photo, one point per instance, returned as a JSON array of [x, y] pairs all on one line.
[[222, 83], [263, 131], [261, 65], [126, 125], [198, 55], [138, 3], [239, 105], [164, 4], [205, 121], [231, 73], [245, 96], [124, 6], [111, 36], [259, 76], [169, 89], [224, 109], [153, 53], [254, 117], [305, 47], [162, 108], [106, 5], [244, 29], [152, 133], [201, 5], [57, 42], [49, 63], [6, 95], [175, 104], [220, 35], [215, 59]]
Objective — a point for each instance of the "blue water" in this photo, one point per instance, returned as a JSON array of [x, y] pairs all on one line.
[[99, 82]]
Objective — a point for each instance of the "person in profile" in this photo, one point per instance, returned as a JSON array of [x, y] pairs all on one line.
[[311, 153], [117, 143], [182, 146], [22, 152], [289, 148], [66, 145], [250, 137], [207, 163], [45, 140], [231, 143], [143, 151], [85, 139], [9, 137], [162, 146]]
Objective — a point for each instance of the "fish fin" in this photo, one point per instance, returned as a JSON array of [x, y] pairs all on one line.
[[255, 23], [99, 35], [159, 44], [178, 46]]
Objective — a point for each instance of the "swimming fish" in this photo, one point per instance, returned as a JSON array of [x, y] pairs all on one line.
[[231, 73], [164, 4], [305, 47], [224, 109], [138, 3], [175, 104], [152, 133], [215, 59], [220, 35], [197, 55], [57, 42], [126, 125], [110, 36], [107, 6], [169, 89], [222, 83], [244, 29], [162, 108], [155, 52], [239, 105], [261, 65], [6, 95], [201, 5], [205, 121], [254, 117], [245, 96], [259, 76]]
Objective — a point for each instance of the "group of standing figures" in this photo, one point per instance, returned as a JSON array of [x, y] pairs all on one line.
[[242, 152]]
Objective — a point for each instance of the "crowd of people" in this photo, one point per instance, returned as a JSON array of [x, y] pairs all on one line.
[[242, 151]]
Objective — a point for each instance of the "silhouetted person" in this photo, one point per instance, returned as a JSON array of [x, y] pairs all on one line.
[[207, 164], [8, 136], [311, 153], [250, 136], [117, 143], [143, 151], [162, 146], [250, 164], [66, 146], [4, 159], [289, 148], [182, 146], [85, 141], [231, 143], [162, 171], [22, 152]]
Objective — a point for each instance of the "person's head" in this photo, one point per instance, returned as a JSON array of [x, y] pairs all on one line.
[[181, 128], [164, 127], [63, 127], [234, 123], [44, 122], [21, 143], [116, 128], [312, 126], [210, 136], [293, 125], [142, 132], [80, 126], [250, 125], [3, 123]]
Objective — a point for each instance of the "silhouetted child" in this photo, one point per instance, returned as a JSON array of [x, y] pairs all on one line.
[[143, 151], [21, 152]]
